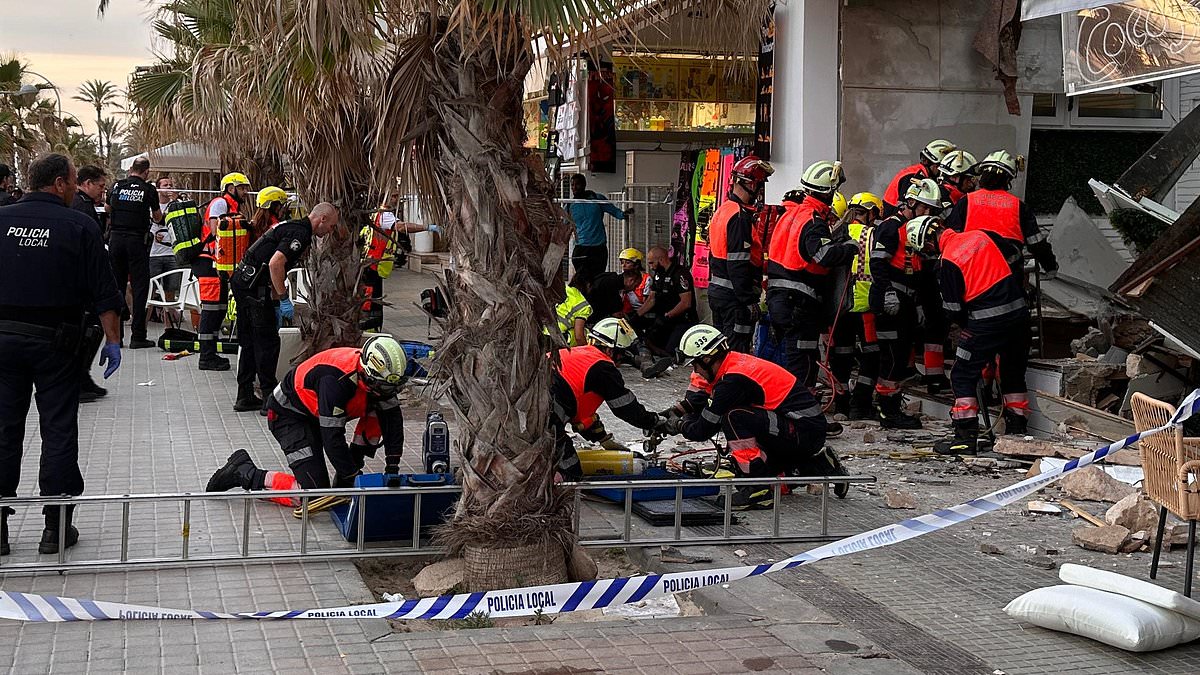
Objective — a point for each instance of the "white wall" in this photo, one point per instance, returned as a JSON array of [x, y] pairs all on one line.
[[805, 104], [1188, 187]]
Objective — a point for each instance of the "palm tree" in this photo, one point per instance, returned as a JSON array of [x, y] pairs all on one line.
[[99, 94], [359, 92]]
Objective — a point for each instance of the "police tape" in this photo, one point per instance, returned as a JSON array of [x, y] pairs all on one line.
[[570, 597]]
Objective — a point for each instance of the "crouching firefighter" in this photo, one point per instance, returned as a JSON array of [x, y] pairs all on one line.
[[773, 423], [584, 378], [985, 298], [308, 413]]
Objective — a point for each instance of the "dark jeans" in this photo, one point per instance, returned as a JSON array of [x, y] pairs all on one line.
[[797, 320], [90, 349], [731, 317], [129, 253], [258, 343], [590, 260], [160, 264], [372, 308], [31, 364]]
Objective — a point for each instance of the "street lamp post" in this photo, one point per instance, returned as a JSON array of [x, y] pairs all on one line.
[[48, 85]]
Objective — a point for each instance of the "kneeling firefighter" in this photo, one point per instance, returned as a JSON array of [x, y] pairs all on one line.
[[773, 423], [586, 377], [308, 412]]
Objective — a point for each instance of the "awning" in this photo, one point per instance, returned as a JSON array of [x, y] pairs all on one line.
[[179, 157], [1035, 9]]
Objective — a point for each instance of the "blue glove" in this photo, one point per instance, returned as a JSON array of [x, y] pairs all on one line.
[[110, 354], [287, 309], [434, 228]]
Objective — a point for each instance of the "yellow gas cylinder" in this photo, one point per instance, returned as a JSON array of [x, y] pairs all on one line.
[[601, 462]]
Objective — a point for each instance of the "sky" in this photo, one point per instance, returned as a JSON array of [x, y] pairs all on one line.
[[69, 44]]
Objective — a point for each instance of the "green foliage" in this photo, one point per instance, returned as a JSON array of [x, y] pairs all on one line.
[[1061, 162], [476, 619], [1139, 229]]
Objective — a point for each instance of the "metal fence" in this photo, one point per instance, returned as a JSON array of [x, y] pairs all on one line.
[[171, 535]]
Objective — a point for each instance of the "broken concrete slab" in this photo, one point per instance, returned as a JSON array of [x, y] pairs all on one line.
[[895, 499], [1163, 386], [1108, 539], [1135, 512], [1084, 252], [990, 549], [1038, 506], [440, 577], [1092, 484], [1017, 446], [1093, 341]]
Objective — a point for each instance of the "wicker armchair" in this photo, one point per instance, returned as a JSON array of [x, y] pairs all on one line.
[[1172, 467]]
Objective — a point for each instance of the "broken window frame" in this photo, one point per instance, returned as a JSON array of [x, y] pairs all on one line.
[[1067, 114]]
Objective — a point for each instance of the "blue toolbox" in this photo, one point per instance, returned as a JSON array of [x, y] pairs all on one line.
[[390, 517], [654, 494]]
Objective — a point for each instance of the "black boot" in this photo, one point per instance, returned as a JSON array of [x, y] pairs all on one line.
[[239, 471], [5, 512], [217, 363], [841, 404], [936, 384], [1015, 424], [862, 407], [248, 403], [892, 416], [657, 367], [49, 542], [964, 442], [827, 461]]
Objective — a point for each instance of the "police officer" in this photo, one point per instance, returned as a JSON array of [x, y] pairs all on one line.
[[670, 309], [89, 200], [258, 283], [134, 202], [54, 270], [735, 255]]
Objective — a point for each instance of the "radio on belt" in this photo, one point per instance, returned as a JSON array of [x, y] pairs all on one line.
[[436, 443]]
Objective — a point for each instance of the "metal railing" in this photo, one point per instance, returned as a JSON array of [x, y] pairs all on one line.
[[358, 548]]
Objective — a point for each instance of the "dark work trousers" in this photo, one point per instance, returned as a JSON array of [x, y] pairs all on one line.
[[936, 328], [31, 364], [299, 436], [214, 302], [90, 349], [258, 342], [590, 260], [854, 340], [129, 253], [732, 318], [766, 443], [373, 310], [797, 320], [566, 458], [978, 347], [896, 335], [662, 336]]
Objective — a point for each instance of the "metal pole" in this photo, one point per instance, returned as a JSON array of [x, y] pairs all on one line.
[[578, 505], [778, 489], [187, 527], [628, 513], [362, 522], [124, 531], [303, 525], [417, 520], [728, 489], [245, 528], [825, 509], [678, 512], [62, 533]]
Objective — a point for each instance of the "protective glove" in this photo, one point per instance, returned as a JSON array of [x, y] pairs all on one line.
[[920, 316], [670, 413], [669, 426], [286, 308], [110, 354], [610, 443], [755, 312], [1050, 275], [891, 302], [434, 228]]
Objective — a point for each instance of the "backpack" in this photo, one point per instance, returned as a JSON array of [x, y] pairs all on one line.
[[183, 219]]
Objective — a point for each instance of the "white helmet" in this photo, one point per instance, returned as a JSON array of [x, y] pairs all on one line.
[[957, 163], [701, 340], [926, 191], [822, 177], [383, 365], [921, 231], [935, 150], [612, 333], [1002, 162]]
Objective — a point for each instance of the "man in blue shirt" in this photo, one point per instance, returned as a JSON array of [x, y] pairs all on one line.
[[590, 255]]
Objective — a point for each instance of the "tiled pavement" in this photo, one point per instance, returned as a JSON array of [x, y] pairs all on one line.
[[934, 596]]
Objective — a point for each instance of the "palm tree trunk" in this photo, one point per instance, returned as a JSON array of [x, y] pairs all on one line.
[[99, 134]]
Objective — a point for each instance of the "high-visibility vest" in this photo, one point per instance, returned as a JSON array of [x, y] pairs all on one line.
[[345, 359], [892, 195], [978, 258], [996, 211], [776, 382], [208, 233], [719, 254], [574, 365], [786, 266], [860, 268], [378, 248], [575, 306]]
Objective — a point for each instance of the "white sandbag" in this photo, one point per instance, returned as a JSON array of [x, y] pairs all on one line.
[[1137, 589], [1113, 619]]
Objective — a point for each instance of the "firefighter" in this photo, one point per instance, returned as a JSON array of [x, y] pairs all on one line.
[[802, 252], [735, 254], [272, 203], [928, 167], [214, 281], [854, 330], [584, 378], [995, 210], [773, 423], [987, 300], [957, 171], [308, 413], [894, 299]]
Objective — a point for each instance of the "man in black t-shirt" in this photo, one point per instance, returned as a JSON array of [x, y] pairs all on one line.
[[6, 186], [669, 310], [134, 203], [258, 284], [89, 200]]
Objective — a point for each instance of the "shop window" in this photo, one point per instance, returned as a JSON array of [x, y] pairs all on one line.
[[1147, 106], [683, 93]]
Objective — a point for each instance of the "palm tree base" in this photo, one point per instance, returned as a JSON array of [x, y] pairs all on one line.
[[489, 569]]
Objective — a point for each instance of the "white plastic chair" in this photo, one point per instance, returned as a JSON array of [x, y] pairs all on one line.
[[188, 296], [298, 286]]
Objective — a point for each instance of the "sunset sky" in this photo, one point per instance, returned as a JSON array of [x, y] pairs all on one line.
[[72, 45]]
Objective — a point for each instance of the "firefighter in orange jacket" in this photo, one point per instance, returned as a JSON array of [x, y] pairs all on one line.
[[773, 423], [586, 376], [1007, 219], [802, 252], [308, 413], [983, 296], [735, 255], [211, 274], [928, 167]]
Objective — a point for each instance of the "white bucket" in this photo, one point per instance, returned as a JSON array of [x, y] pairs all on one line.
[[422, 242]]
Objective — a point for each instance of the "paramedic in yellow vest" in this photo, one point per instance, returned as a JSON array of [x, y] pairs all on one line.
[[574, 311], [385, 242], [212, 276], [854, 336]]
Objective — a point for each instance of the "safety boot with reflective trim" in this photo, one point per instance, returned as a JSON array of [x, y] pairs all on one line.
[[749, 498], [828, 462], [892, 416], [238, 472], [964, 442], [656, 367]]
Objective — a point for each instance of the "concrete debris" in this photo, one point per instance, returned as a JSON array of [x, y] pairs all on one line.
[[1136, 541], [1115, 356], [815, 490], [1095, 342], [1163, 386], [1030, 447], [1107, 539], [990, 549], [440, 577], [868, 437], [1174, 534], [1041, 562], [581, 567], [1134, 512], [1092, 484], [895, 499], [740, 553], [1038, 506], [671, 554]]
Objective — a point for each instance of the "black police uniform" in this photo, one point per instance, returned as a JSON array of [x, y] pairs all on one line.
[[669, 287], [257, 328], [132, 200], [94, 338], [54, 269]]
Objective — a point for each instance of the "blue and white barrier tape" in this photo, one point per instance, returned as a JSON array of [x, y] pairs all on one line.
[[585, 595]]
